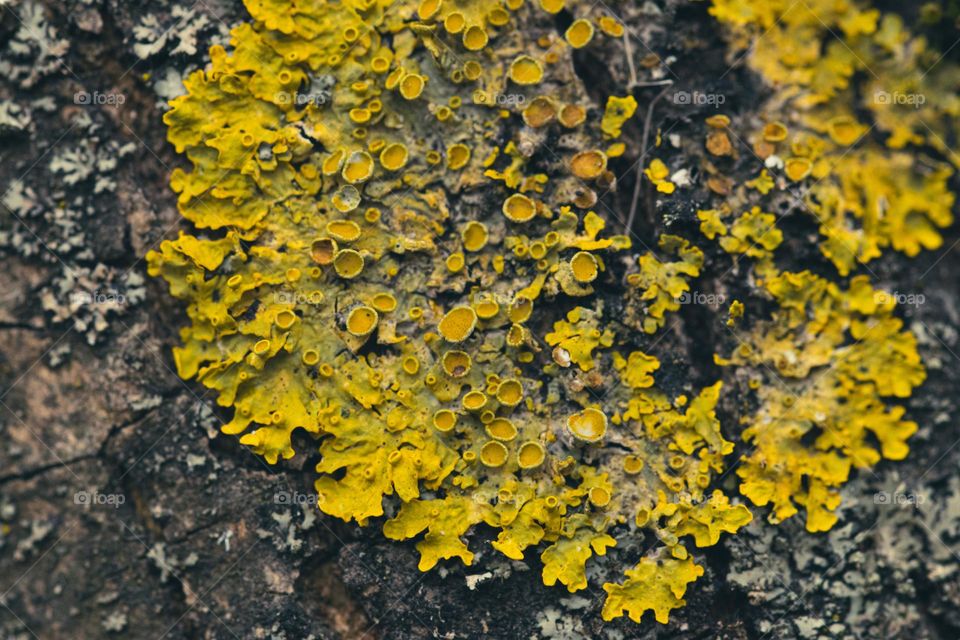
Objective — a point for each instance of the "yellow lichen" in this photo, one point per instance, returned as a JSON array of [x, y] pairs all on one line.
[[526, 70], [458, 155], [589, 425], [457, 324], [837, 355], [530, 455], [753, 233], [362, 321], [519, 208], [393, 157], [658, 173], [540, 112], [660, 285], [349, 278], [653, 585], [579, 33], [474, 236], [584, 266], [618, 111], [588, 165], [866, 195]]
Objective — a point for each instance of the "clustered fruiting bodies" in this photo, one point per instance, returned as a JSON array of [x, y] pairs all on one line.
[[374, 265]]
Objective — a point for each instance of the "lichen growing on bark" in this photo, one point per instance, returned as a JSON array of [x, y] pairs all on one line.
[[400, 248]]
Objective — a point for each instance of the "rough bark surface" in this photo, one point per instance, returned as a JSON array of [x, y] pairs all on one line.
[[125, 514]]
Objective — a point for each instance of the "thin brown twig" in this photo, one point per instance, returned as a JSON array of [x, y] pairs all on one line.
[[641, 161], [653, 83], [628, 50]]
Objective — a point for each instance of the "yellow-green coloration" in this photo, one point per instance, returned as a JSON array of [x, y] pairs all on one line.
[[328, 148], [754, 233], [658, 286], [653, 584], [830, 360], [829, 59], [618, 111], [658, 172]]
